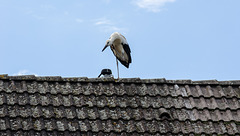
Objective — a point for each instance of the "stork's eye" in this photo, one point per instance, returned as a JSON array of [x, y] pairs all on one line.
[[107, 43]]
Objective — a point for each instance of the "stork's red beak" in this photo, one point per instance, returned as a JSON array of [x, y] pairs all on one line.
[[105, 47]]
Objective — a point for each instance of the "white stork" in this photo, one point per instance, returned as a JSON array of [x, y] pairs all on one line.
[[120, 49]]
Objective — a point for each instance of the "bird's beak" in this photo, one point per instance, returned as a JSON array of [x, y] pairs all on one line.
[[105, 47]]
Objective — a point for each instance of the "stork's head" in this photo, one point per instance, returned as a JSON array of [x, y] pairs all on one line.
[[107, 44]]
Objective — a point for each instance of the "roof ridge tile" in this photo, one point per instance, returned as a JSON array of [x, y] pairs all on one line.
[[121, 80]]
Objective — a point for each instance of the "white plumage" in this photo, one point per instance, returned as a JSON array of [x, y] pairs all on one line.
[[120, 49]]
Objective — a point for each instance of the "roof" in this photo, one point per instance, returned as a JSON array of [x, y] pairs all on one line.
[[31, 105]]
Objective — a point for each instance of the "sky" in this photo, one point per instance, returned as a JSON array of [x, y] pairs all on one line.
[[172, 39]]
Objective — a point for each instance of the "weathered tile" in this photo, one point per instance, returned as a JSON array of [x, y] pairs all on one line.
[[164, 90], [36, 111], [45, 100], [33, 99], [24, 111], [88, 89], [59, 112], [182, 114], [132, 101], [197, 127], [236, 115], [3, 124], [73, 126], [15, 123], [233, 103], [50, 125], [11, 98], [57, 100], [208, 127], [3, 111], [70, 113], [61, 125], [77, 89], [211, 103], [95, 126], [125, 114], [130, 126], [140, 126], [176, 127], [27, 124], [32, 87], [89, 107], [107, 126], [92, 113], [177, 102], [167, 102], [1, 85], [186, 127], [2, 99], [13, 111], [81, 113]]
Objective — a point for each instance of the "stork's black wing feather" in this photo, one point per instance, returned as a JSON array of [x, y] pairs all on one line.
[[128, 51]]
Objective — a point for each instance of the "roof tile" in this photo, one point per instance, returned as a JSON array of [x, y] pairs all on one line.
[[32, 87], [2, 99], [91, 113], [61, 125], [211, 103], [140, 127], [94, 126], [15, 123], [49, 125], [118, 107], [194, 91], [24, 111], [42, 88], [36, 111], [45, 100], [83, 126], [172, 91], [153, 89], [3, 110], [107, 125], [164, 90], [221, 104], [11, 98], [202, 116], [221, 128], [207, 114], [125, 114], [224, 116], [176, 127], [33, 99], [26, 124], [38, 124], [70, 112], [183, 114], [186, 127], [165, 102], [67, 100], [1, 85], [199, 91], [12, 111], [197, 127], [2, 124], [132, 102], [88, 89], [209, 91]]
